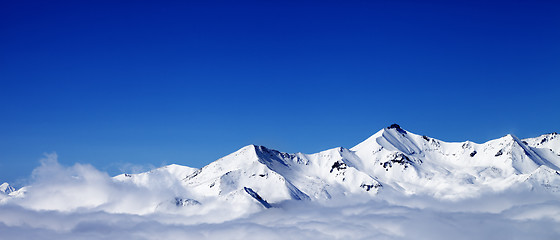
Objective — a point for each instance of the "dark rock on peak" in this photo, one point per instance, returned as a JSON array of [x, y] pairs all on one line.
[[499, 153], [271, 156], [397, 158], [368, 187], [338, 165], [183, 202], [397, 127]]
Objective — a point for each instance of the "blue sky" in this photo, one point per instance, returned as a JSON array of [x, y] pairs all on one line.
[[138, 84]]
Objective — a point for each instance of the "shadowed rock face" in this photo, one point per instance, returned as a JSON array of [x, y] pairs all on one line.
[[338, 165], [397, 127], [6, 188], [257, 197]]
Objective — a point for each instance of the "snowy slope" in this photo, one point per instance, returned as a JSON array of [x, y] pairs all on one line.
[[547, 146], [160, 177], [277, 176], [8, 192], [415, 164], [5, 188], [229, 177]]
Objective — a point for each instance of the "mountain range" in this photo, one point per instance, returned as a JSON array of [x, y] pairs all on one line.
[[392, 161]]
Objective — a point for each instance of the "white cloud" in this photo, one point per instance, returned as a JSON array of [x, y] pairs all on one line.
[[80, 202], [371, 220]]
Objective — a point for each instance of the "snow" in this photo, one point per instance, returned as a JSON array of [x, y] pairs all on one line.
[[164, 176], [447, 170], [394, 174], [6, 188]]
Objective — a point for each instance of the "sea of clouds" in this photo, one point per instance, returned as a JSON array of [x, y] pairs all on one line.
[[81, 202]]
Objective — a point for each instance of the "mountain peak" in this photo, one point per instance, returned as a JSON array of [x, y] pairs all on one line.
[[397, 127], [250, 146], [511, 136], [6, 188]]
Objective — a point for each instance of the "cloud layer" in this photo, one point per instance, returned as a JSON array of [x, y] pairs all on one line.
[[80, 202]]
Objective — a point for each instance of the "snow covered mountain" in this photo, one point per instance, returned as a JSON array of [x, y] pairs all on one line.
[[393, 160], [6, 191], [419, 164], [5, 188]]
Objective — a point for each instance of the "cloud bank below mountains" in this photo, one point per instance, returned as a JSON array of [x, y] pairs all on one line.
[[372, 220], [81, 202]]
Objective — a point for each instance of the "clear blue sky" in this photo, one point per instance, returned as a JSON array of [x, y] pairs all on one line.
[[136, 83]]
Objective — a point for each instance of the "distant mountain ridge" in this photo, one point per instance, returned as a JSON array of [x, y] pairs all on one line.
[[391, 160]]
